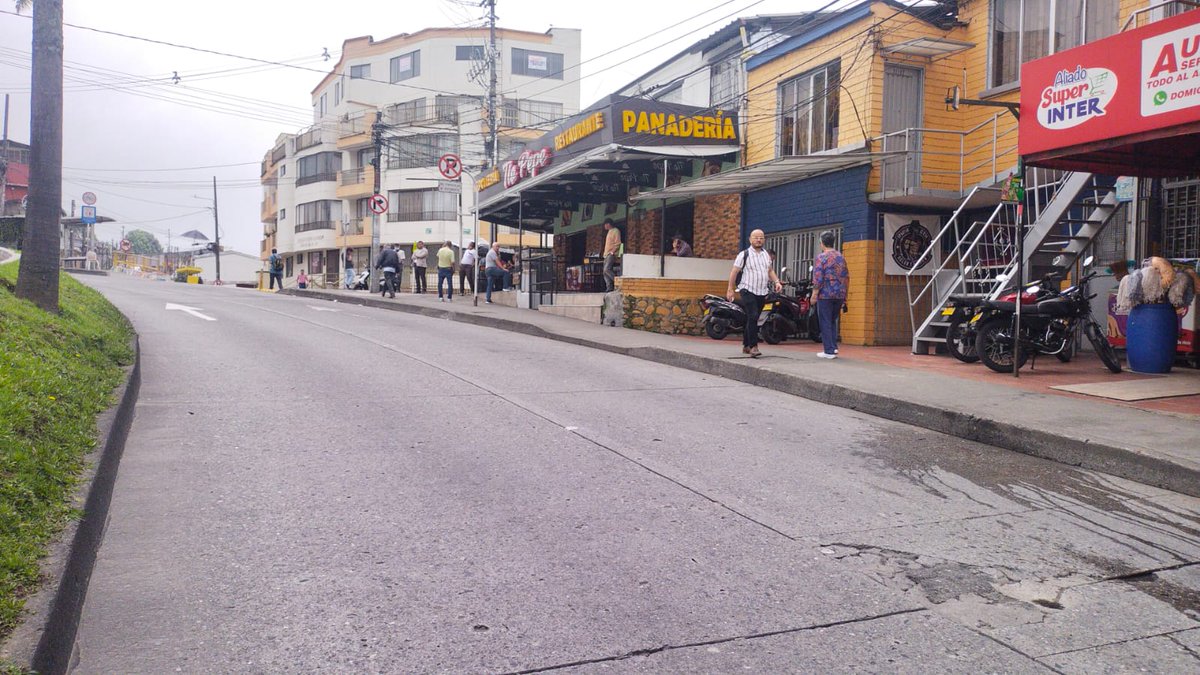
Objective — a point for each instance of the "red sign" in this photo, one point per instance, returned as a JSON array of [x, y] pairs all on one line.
[[528, 163], [450, 166], [377, 203], [1133, 87]]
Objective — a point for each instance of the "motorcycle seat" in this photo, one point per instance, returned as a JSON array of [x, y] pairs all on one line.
[[965, 299], [1050, 307]]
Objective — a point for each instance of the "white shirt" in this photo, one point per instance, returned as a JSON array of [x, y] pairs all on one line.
[[421, 257], [469, 257], [755, 267]]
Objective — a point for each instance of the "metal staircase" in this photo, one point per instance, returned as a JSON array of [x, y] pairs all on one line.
[[1062, 213]]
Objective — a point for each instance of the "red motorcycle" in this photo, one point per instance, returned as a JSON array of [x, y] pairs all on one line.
[[965, 314]]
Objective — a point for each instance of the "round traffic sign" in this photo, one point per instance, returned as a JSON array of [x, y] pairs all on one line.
[[89, 198], [125, 245], [450, 166], [377, 203]]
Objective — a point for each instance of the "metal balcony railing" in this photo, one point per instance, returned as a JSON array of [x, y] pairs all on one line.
[[946, 159], [414, 216], [353, 176]]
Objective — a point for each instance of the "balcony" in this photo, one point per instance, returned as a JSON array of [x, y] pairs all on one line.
[[417, 216], [317, 178], [938, 167], [316, 225], [270, 209], [355, 183], [355, 132]]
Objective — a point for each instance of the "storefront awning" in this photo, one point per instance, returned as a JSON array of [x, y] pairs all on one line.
[[600, 156], [763, 175], [1128, 104]]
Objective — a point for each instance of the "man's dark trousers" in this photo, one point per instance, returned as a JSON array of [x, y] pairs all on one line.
[[753, 305], [419, 279], [276, 277]]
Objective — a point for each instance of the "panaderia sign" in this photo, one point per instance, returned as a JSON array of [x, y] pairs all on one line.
[[630, 122], [1136, 86]]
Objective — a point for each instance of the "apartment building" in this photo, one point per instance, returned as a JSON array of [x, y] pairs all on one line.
[[429, 91]]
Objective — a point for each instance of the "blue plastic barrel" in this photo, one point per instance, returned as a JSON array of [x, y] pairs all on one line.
[[1150, 337]]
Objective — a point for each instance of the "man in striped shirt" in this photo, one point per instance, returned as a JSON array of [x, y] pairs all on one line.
[[758, 278]]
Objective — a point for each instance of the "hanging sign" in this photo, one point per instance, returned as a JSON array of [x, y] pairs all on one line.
[[906, 238]]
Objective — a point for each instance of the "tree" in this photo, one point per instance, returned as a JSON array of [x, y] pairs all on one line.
[[142, 242], [37, 279]]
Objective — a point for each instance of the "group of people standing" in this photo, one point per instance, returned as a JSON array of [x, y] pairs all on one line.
[[391, 261]]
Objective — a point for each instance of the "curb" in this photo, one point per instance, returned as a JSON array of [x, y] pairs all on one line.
[[94, 273], [1077, 452], [44, 641]]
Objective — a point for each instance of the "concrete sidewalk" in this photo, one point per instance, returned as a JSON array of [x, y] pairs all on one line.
[[1148, 446]]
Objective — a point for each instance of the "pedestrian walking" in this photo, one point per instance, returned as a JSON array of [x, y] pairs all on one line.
[[349, 265], [445, 268], [388, 262], [830, 279], [612, 246], [466, 268], [752, 277], [494, 270], [420, 261], [302, 279], [275, 268]]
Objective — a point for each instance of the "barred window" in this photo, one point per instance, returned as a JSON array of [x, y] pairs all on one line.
[[723, 84], [407, 112], [1181, 218], [420, 150], [797, 249], [527, 113]]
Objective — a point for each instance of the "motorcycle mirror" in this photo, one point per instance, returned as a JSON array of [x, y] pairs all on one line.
[[1087, 262], [1059, 261], [1034, 289], [783, 271]]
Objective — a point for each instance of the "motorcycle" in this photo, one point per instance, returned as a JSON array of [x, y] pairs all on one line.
[[722, 317], [362, 281], [1049, 326], [965, 313], [790, 316]]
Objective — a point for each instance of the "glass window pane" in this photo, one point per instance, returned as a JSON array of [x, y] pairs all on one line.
[[1103, 17], [1035, 30], [818, 112], [1006, 41], [1068, 24]]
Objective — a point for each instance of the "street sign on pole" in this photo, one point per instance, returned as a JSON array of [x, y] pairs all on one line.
[[125, 245], [450, 166], [449, 186], [87, 215], [89, 198], [378, 204]]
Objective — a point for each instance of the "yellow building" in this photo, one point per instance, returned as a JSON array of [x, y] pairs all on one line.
[[852, 113]]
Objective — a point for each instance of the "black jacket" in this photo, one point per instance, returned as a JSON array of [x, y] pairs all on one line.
[[388, 258]]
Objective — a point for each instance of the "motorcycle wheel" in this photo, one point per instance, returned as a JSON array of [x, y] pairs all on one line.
[[994, 345], [959, 342], [716, 329], [1100, 343], [771, 333]]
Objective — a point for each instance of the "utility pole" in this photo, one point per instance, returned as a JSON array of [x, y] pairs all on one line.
[[493, 149], [377, 138], [217, 229], [4, 162]]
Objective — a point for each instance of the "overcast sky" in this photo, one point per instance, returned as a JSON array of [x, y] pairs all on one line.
[[132, 136]]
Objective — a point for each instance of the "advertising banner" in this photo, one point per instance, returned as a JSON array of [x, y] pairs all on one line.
[[905, 239], [1131, 87]]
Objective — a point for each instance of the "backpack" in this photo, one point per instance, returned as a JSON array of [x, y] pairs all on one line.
[[737, 281], [277, 263]]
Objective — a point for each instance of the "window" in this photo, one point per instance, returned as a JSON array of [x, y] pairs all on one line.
[[420, 150], [337, 93], [319, 215], [360, 72], [468, 53], [406, 66], [808, 111], [319, 167], [723, 84], [447, 108], [797, 249], [282, 170], [537, 64], [412, 205], [1023, 30], [407, 112], [362, 208], [526, 113], [283, 214], [671, 94], [324, 104], [1181, 218]]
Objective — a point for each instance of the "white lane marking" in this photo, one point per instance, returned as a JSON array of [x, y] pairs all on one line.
[[194, 311], [322, 309]]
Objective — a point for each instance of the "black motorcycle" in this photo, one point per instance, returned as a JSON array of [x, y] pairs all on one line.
[[965, 313], [1048, 326], [790, 316], [722, 317]]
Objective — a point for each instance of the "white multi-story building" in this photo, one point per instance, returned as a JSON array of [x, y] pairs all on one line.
[[429, 90]]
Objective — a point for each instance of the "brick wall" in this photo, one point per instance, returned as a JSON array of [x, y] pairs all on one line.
[[643, 232], [669, 288], [831, 199], [717, 225], [595, 240]]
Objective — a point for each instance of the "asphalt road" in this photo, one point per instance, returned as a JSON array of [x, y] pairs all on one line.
[[318, 487]]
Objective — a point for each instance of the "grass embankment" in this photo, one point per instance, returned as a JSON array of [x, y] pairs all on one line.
[[57, 373]]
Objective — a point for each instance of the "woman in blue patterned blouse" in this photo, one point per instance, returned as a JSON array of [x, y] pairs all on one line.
[[830, 280]]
